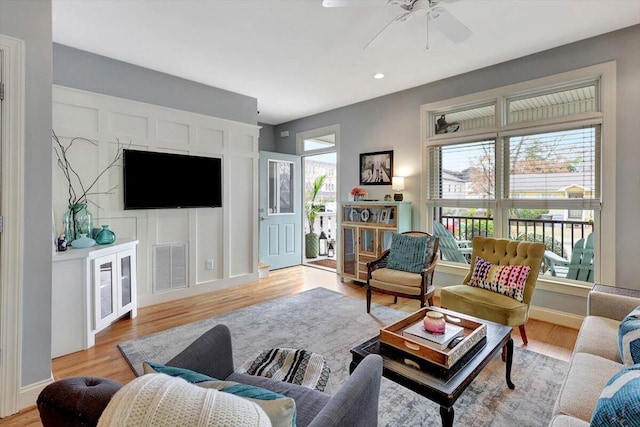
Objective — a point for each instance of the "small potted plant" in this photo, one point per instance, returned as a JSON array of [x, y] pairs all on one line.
[[358, 193]]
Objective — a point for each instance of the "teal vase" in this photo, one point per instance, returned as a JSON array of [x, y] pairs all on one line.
[[77, 220], [105, 236]]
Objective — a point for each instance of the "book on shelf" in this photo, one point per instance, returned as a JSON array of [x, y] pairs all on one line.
[[417, 333]]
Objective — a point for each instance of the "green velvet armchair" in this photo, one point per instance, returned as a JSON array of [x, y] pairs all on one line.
[[490, 305]]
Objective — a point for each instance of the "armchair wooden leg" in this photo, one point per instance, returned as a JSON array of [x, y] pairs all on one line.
[[368, 299], [430, 300], [523, 334], [395, 299]]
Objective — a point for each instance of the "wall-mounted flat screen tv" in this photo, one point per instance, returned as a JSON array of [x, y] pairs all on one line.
[[155, 180]]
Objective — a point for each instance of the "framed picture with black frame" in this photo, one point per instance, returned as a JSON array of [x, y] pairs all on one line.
[[376, 168]]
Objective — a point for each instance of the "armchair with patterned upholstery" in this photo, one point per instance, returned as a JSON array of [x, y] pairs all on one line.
[[491, 305], [399, 279]]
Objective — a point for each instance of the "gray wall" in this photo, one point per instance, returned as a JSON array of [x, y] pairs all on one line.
[[83, 70], [31, 22], [266, 141], [393, 122]]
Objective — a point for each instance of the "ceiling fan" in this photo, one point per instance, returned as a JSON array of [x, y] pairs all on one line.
[[435, 14]]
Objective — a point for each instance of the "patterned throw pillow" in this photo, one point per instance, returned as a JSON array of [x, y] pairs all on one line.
[[507, 280], [619, 403], [407, 253], [280, 409], [629, 338]]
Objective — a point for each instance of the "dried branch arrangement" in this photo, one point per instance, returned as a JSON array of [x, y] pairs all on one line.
[[79, 195]]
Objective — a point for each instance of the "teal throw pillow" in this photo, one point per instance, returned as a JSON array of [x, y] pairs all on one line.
[[407, 253], [629, 338], [280, 409], [619, 403]]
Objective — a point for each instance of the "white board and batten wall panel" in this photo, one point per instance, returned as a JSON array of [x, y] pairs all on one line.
[[221, 243]]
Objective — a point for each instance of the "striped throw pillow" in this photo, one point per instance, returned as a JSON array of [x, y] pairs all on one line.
[[507, 280], [619, 403], [629, 338]]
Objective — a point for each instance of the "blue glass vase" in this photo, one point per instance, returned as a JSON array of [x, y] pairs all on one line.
[[105, 236], [77, 220]]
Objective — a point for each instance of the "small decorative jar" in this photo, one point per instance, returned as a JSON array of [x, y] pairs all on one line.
[[434, 322], [105, 236]]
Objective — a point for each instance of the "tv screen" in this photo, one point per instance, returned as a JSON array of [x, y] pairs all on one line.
[[161, 180]]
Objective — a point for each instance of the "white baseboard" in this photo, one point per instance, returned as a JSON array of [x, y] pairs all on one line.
[[556, 317], [29, 394]]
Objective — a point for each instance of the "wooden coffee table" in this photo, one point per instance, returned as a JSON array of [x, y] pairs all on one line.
[[434, 386]]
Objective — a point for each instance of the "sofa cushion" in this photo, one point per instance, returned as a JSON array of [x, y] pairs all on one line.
[[407, 253], [507, 280], [396, 280], [567, 421], [629, 338], [280, 409], [587, 376], [144, 401], [308, 402], [619, 403], [598, 336]]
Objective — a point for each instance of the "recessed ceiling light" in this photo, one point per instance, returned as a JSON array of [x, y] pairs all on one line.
[[378, 76]]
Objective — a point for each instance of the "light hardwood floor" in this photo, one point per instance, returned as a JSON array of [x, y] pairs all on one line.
[[105, 360]]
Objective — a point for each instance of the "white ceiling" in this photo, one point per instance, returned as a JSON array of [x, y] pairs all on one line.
[[299, 58]]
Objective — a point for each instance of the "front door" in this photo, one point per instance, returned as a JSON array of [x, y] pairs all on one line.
[[280, 210]]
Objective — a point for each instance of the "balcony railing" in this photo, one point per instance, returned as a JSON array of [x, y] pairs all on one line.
[[559, 236]]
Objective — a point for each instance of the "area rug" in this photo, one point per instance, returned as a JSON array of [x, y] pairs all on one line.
[[330, 323]]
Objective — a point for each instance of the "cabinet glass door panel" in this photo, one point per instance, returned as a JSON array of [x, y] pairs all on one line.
[[125, 280], [384, 239], [367, 241], [349, 259], [107, 305]]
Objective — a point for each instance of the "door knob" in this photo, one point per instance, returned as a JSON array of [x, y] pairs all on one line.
[[262, 218]]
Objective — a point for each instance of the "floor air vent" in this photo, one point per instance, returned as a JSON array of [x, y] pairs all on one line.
[[169, 267]]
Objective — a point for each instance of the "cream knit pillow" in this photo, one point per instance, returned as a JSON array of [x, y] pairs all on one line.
[[160, 400]]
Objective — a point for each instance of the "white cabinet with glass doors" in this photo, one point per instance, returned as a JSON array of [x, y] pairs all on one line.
[[366, 232], [91, 288]]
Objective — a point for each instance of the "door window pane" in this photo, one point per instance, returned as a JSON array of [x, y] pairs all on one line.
[[280, 187], [125, 280]]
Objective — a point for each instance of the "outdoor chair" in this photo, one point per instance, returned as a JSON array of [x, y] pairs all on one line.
[[451, 248], [489, 304], [416, 284], [579, 267]]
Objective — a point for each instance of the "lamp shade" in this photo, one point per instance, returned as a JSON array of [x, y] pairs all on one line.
[[397, 183]]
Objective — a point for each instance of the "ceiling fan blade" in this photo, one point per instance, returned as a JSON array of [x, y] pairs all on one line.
[[401, 17], [449, 25], [351, 3]]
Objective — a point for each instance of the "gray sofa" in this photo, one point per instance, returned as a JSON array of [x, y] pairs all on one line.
[[595, 357], [67, 402]]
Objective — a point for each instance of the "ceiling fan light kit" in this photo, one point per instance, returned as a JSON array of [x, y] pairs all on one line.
[[430, 10]]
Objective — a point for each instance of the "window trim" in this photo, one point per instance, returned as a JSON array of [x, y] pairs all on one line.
[[605, 76]]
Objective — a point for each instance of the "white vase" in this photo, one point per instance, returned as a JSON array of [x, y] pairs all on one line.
[[83, 242]]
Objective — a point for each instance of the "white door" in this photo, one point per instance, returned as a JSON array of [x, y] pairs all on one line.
[[280, 209]]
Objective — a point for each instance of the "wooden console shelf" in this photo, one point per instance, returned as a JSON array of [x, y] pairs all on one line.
[[366, 232]]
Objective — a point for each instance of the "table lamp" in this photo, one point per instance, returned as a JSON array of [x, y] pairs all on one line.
[[397, 184]]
